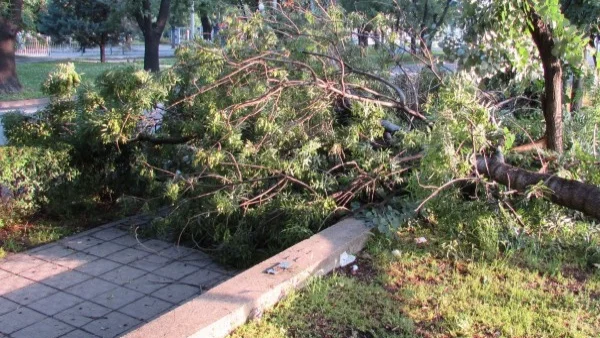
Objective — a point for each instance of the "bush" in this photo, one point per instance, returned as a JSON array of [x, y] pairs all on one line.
[[28, 176]]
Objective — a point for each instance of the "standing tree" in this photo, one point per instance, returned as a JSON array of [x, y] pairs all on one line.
[[586, 15], [89, 22], [152, 28], [516, 37], [11, 22]]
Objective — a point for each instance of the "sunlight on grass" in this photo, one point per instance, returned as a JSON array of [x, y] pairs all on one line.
[[420, 293]]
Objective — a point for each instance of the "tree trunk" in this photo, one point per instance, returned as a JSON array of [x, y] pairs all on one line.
[[568, 193], [9, 82], [102, 45], [152, 31], [553, 91], [413, 44], [9, 27], [206, 27], [577, 93], [151, 57]]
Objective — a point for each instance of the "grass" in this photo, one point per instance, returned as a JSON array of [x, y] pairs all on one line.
[[419, 292], [32, 75]]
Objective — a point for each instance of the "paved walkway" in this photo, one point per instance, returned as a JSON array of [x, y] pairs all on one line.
[[100, 283]]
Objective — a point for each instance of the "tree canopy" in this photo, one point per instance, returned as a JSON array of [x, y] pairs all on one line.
[[89, 22]]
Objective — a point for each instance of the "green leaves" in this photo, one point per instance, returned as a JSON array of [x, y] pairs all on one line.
[[63, 82], [500, 30]]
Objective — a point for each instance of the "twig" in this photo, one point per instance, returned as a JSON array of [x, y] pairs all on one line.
[[438, 190]]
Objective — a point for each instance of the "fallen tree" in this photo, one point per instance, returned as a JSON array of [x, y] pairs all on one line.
[[568, 193]]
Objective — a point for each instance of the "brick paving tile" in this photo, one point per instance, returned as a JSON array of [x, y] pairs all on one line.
[[117, 298], [100, 283], [91, 288], [122, 275], [128, 241], [176, 252], [75, 260], [20, 262], [13, 283], [7, 305], [109, 234], [83, 313], [81, 243], [146, 308], [30, 294], [104, 249], [43, 271], [98, 267], [56, 303], [148, 283], [198, 259], [66, 279], [176, 270], [47, 328], [111, 325], [150, 263], [4, 274], [177, 293], [128, 255], [153, 246], [18, 319], [53, 252], [203, 278], [79, 334]]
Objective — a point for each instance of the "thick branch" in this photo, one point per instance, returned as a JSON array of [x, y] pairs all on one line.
[[568, 193], [163, 16], [160, 140]]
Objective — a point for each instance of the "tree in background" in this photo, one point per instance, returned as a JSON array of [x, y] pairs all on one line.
[[421, 20], [586, 15], [89, 22], [152, 27], [11, 22], [517, 37]]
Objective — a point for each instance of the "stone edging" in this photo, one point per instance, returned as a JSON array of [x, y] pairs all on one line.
[[23, 103], [223, 308]]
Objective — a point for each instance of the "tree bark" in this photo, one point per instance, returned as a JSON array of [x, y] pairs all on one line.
[[206, 27], [9, 27], [553, 91], [151, 57], [102, 45], [577, 93], [9, 82], [413, 43], [152, 31], [568, 193]]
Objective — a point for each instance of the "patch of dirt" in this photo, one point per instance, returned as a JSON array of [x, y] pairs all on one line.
[[366, 272], [577, 273]]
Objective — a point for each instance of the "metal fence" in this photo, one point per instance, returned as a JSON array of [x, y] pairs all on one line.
[[33, 47]]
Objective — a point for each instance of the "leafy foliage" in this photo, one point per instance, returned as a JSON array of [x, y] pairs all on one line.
[[89, 22], [497, 37]]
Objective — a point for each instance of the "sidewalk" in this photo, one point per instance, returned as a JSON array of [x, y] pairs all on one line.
[[101, 283]]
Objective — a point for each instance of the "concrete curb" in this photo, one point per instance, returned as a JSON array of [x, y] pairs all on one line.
[[23, 103], [229, 305]]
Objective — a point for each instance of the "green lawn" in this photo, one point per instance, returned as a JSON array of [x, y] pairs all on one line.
[[32, 75], [418, 291]]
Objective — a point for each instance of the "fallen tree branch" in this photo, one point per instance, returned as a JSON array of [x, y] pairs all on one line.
[[440, 189], [160, 140], [568, 193]]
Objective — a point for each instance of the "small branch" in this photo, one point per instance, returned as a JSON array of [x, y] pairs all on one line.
[[440, 189]]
